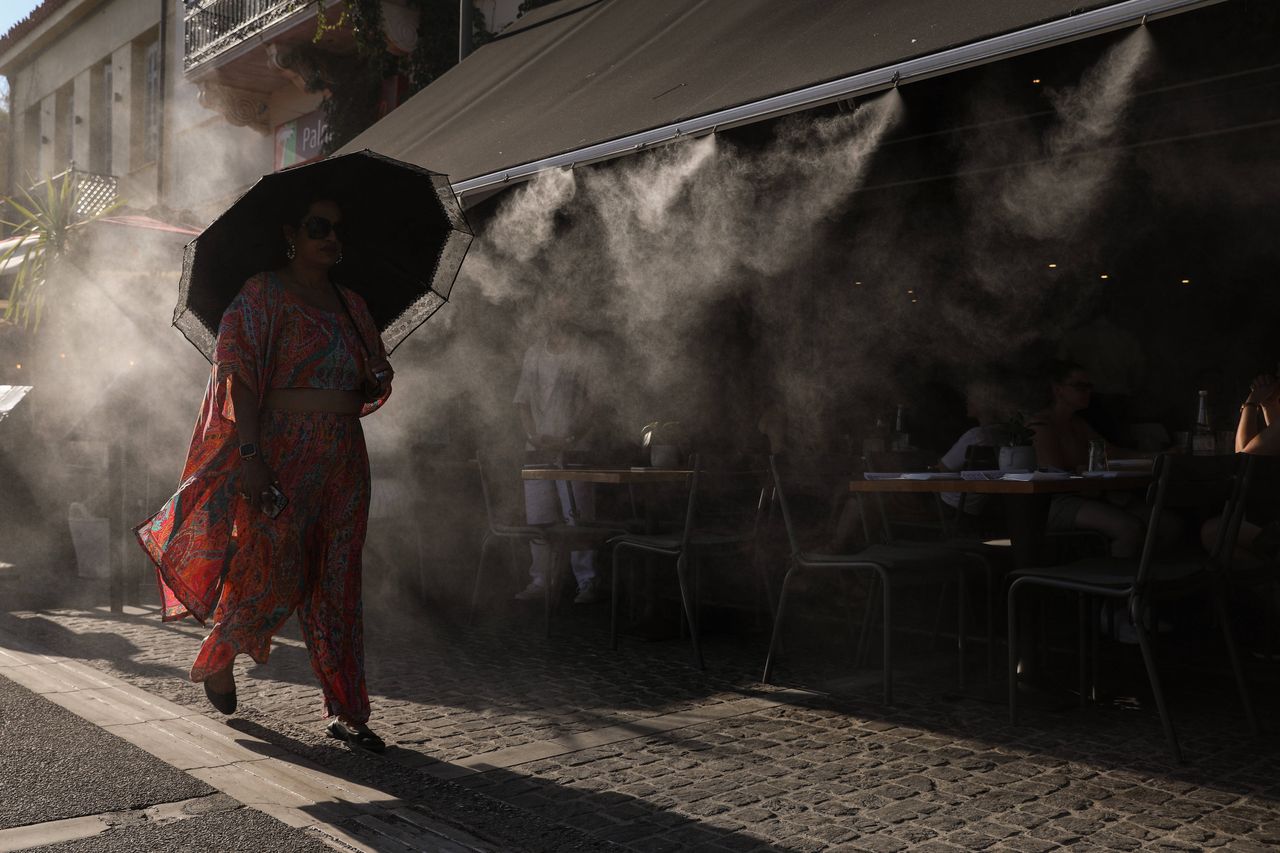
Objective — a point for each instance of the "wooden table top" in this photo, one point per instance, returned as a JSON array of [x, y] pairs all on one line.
[[609, 475], [1124, 483]]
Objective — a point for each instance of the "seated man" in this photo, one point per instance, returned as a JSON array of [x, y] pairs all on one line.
[[983, 404], [1061, 441]]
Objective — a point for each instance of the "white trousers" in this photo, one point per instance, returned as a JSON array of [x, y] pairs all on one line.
[[547, 502]]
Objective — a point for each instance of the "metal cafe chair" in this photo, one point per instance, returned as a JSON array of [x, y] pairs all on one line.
[[997, 550], [722, 517], [496, 530], [893, 566], [1256, 577], [562, 537], [914, 516], [1179, 482], [941, 540]]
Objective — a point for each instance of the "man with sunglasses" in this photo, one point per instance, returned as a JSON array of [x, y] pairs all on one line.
[[1061, 441]]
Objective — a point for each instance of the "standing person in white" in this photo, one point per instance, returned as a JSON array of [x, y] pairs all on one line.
[[554, 401]]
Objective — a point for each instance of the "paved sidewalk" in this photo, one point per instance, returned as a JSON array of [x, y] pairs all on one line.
[[92, 762], [638, 748], [66, 784]]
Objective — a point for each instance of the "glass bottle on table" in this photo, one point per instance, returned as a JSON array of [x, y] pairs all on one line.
[[901, 436], [1202, 438], [875, 443]]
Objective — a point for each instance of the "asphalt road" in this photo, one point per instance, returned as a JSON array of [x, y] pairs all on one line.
[[55, 766]]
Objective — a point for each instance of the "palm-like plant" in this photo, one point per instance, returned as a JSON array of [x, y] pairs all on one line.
[[661, 432], [43, 224], [1015, 431]]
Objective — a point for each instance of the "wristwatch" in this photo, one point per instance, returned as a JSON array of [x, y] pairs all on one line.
[[248, 450]]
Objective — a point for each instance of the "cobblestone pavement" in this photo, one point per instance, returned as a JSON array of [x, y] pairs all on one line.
[[638, 748]]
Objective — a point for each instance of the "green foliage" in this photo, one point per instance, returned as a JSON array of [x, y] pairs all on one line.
[[351, 102], [1015, 432], [43, 224], [662, 432]]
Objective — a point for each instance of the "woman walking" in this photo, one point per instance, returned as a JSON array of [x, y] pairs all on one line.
[[272, 509]]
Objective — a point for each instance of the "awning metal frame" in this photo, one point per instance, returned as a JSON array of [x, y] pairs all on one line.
[[1084, 25]]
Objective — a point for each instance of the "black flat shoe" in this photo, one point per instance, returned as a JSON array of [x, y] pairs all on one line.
[[224, 702], [363, 739]]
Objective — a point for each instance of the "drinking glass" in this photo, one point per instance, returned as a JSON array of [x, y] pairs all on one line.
[[1097, 455], [1182, 440]]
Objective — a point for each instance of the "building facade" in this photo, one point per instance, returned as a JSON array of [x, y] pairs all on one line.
[[184, 103], [86, 81]]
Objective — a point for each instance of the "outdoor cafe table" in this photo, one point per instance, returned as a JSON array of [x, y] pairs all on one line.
[[614, 476], [610, 476], [1026, 502]]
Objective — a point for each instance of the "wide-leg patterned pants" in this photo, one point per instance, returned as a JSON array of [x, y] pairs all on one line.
[[308, 559]]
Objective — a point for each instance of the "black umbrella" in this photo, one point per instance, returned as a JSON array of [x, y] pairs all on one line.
[[404, 240]]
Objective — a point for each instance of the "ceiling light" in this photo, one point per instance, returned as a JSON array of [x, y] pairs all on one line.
[[1053, 266], [1036, 81], [1104, 276], [1186, 281]]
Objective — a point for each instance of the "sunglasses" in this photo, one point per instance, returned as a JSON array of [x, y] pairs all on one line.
[[318, 227]]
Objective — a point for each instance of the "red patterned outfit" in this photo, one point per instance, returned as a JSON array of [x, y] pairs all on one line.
[[217, 556]]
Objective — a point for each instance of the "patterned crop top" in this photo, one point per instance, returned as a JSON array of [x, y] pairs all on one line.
[[316, 348]]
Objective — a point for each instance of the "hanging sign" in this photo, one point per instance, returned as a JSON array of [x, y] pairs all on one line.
[[301, 140]]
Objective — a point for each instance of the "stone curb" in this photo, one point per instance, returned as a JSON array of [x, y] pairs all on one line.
[[258, 774]]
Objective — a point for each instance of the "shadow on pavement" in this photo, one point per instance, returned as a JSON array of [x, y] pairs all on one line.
[[94, 646], [512, 810], [444, 693]]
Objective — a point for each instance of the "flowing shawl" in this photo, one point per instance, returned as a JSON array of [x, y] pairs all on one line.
[[192, 539]]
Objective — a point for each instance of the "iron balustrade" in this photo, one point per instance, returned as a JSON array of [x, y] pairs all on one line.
[[213, 26], [91, 194]]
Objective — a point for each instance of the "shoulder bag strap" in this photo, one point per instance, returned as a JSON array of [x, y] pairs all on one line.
[[363, 344]]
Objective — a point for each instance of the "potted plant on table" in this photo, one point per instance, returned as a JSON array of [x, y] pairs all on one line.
[[663, 440], [1016, 450]]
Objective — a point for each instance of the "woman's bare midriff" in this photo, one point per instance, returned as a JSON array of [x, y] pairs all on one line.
[[313, 400]]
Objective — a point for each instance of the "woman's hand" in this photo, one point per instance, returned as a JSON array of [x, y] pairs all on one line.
[[378, 374], [255, 477], [1264, 390]]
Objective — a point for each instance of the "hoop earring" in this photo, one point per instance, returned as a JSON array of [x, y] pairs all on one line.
[[291, 252]]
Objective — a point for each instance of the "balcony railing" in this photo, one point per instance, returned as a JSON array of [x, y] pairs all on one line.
[[213, 26], [90, 193]]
